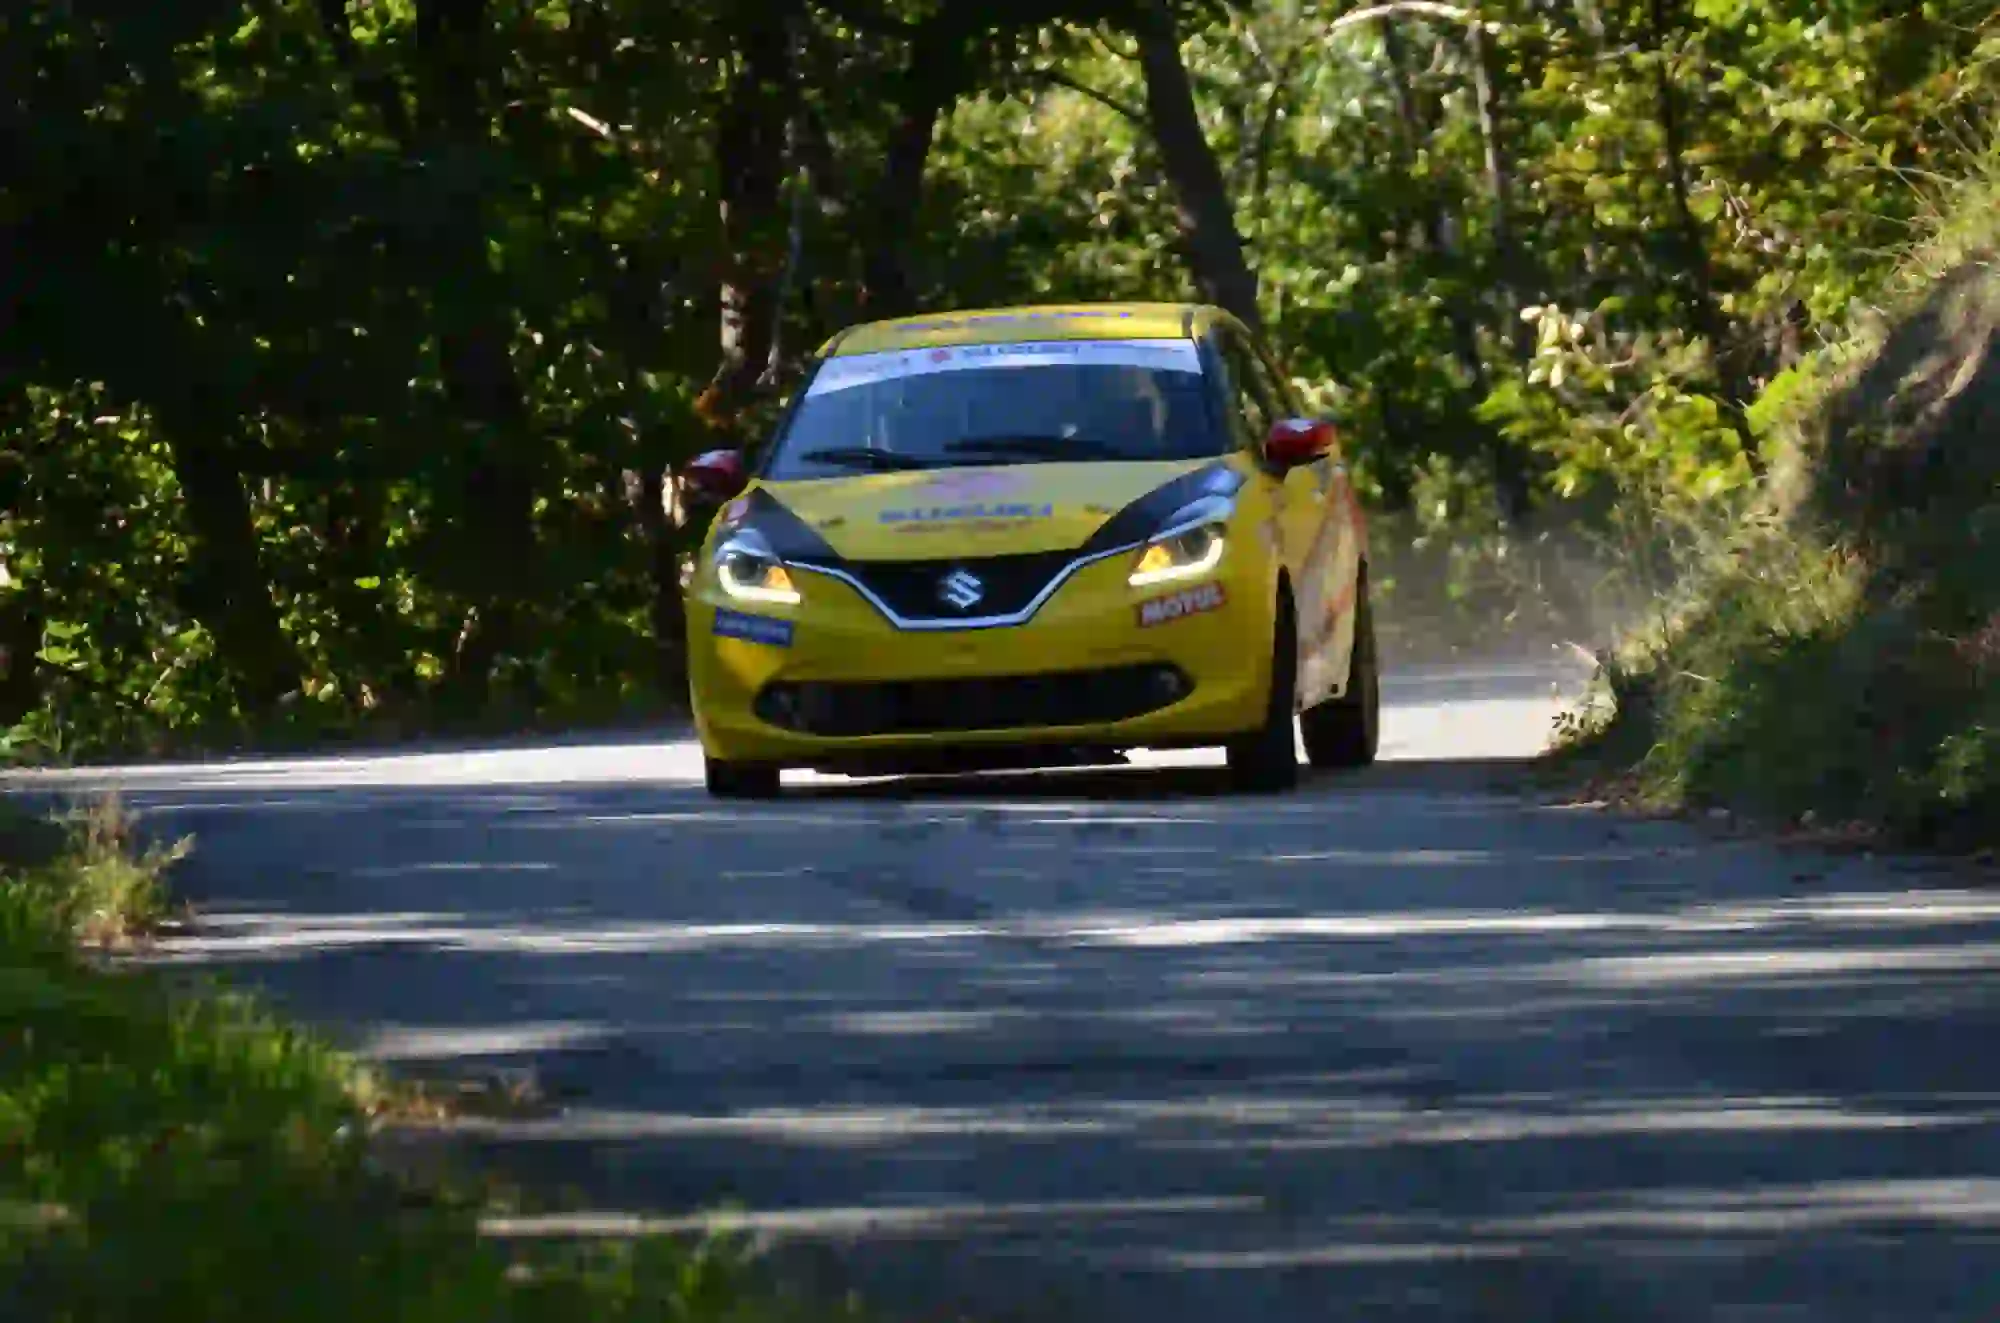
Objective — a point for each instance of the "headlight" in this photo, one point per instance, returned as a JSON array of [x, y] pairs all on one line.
[[750, 571], [1179, 556], [1191, 546]]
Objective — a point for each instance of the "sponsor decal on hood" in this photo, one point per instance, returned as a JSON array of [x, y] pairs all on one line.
[[968, 496]]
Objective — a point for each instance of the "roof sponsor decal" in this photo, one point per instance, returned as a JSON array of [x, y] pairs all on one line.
[[838, 374], [1005, 318], [971, 484]]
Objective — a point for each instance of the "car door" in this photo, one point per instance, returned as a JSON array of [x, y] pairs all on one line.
[[1321, 550]]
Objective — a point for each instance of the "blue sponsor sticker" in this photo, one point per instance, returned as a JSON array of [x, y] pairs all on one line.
[[767, 630]]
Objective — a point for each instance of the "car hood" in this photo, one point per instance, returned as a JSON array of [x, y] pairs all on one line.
[[984, 511]]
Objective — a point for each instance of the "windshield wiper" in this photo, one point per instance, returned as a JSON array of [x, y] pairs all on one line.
[[864, 457], [1037, 445]]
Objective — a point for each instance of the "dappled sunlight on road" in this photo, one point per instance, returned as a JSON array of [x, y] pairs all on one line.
[[1398, 1040]]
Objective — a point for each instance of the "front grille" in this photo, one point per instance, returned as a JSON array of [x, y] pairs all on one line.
[[1008, 583], [849, 709]]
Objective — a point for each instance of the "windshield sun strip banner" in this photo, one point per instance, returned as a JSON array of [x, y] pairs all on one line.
[[845, 373]]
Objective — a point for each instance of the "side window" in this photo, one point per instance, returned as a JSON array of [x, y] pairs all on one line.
[[1249, 390]]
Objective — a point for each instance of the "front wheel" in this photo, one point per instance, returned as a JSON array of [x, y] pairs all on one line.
[[1266, 760], [727, 780], [1346, 731]]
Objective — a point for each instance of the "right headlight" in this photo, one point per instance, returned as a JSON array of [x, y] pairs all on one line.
[[750, 571], [1180, 556], [1191, 546]]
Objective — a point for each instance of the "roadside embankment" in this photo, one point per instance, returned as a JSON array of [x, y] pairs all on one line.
[[1837, 658]]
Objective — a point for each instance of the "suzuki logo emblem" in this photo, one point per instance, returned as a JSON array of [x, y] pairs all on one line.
[[961, 589]]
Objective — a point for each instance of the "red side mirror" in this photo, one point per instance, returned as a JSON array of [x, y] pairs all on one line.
[[1295, 441], [715, 477]]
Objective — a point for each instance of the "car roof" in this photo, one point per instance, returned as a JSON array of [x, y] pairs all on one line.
[[1047, 321]]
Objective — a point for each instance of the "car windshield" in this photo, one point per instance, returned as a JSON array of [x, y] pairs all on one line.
[[999, 404]]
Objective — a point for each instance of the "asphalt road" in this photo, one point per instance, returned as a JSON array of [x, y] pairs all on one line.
[[1115, 1046]]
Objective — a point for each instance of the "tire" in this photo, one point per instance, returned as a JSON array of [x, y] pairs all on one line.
[[1266, 760], [1345, 732], [728, 780]]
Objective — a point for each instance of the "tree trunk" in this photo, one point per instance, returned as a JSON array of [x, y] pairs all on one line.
[[667, 610], [1414, 129], [355, 527], [793, 269], [750, 160], [20, 613], [20, 639], [1510, 471], [831, 212], [475, 361], [1704, 312], [1202, 205], [226, 586], [1432, 220], [1499, 169], [941, 67], [930, 84]]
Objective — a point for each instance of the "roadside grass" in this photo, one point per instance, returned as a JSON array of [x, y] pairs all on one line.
[[1835, 656], [169, 1154]]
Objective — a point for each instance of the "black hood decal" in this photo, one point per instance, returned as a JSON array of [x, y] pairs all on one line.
[[796, 541], [791, 537], [1147, 515]]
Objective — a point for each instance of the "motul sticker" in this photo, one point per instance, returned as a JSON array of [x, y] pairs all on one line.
[[1187, 602]]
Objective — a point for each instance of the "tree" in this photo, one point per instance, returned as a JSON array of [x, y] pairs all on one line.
[[1203, 205], [347, 350]]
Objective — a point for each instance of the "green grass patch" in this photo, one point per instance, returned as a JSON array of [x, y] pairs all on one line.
[[168, 1154]]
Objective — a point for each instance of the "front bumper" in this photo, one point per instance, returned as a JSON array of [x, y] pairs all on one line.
[[831, 681]]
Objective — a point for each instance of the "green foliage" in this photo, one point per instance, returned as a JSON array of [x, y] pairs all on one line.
[[340, 365], [167, 1155], [1545, 335], [284, 343]]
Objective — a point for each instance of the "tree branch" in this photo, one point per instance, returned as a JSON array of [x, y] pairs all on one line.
[[1112, 48], [1267, 130], [1421, 8], [1057, 78]]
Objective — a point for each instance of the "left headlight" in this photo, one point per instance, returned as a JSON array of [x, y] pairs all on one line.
[[1191, 546], [750, 571]]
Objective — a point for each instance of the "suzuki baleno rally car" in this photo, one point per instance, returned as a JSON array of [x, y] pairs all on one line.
[[1032, 537]]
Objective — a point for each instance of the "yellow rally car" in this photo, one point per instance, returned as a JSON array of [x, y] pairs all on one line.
[[1029, 537]]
